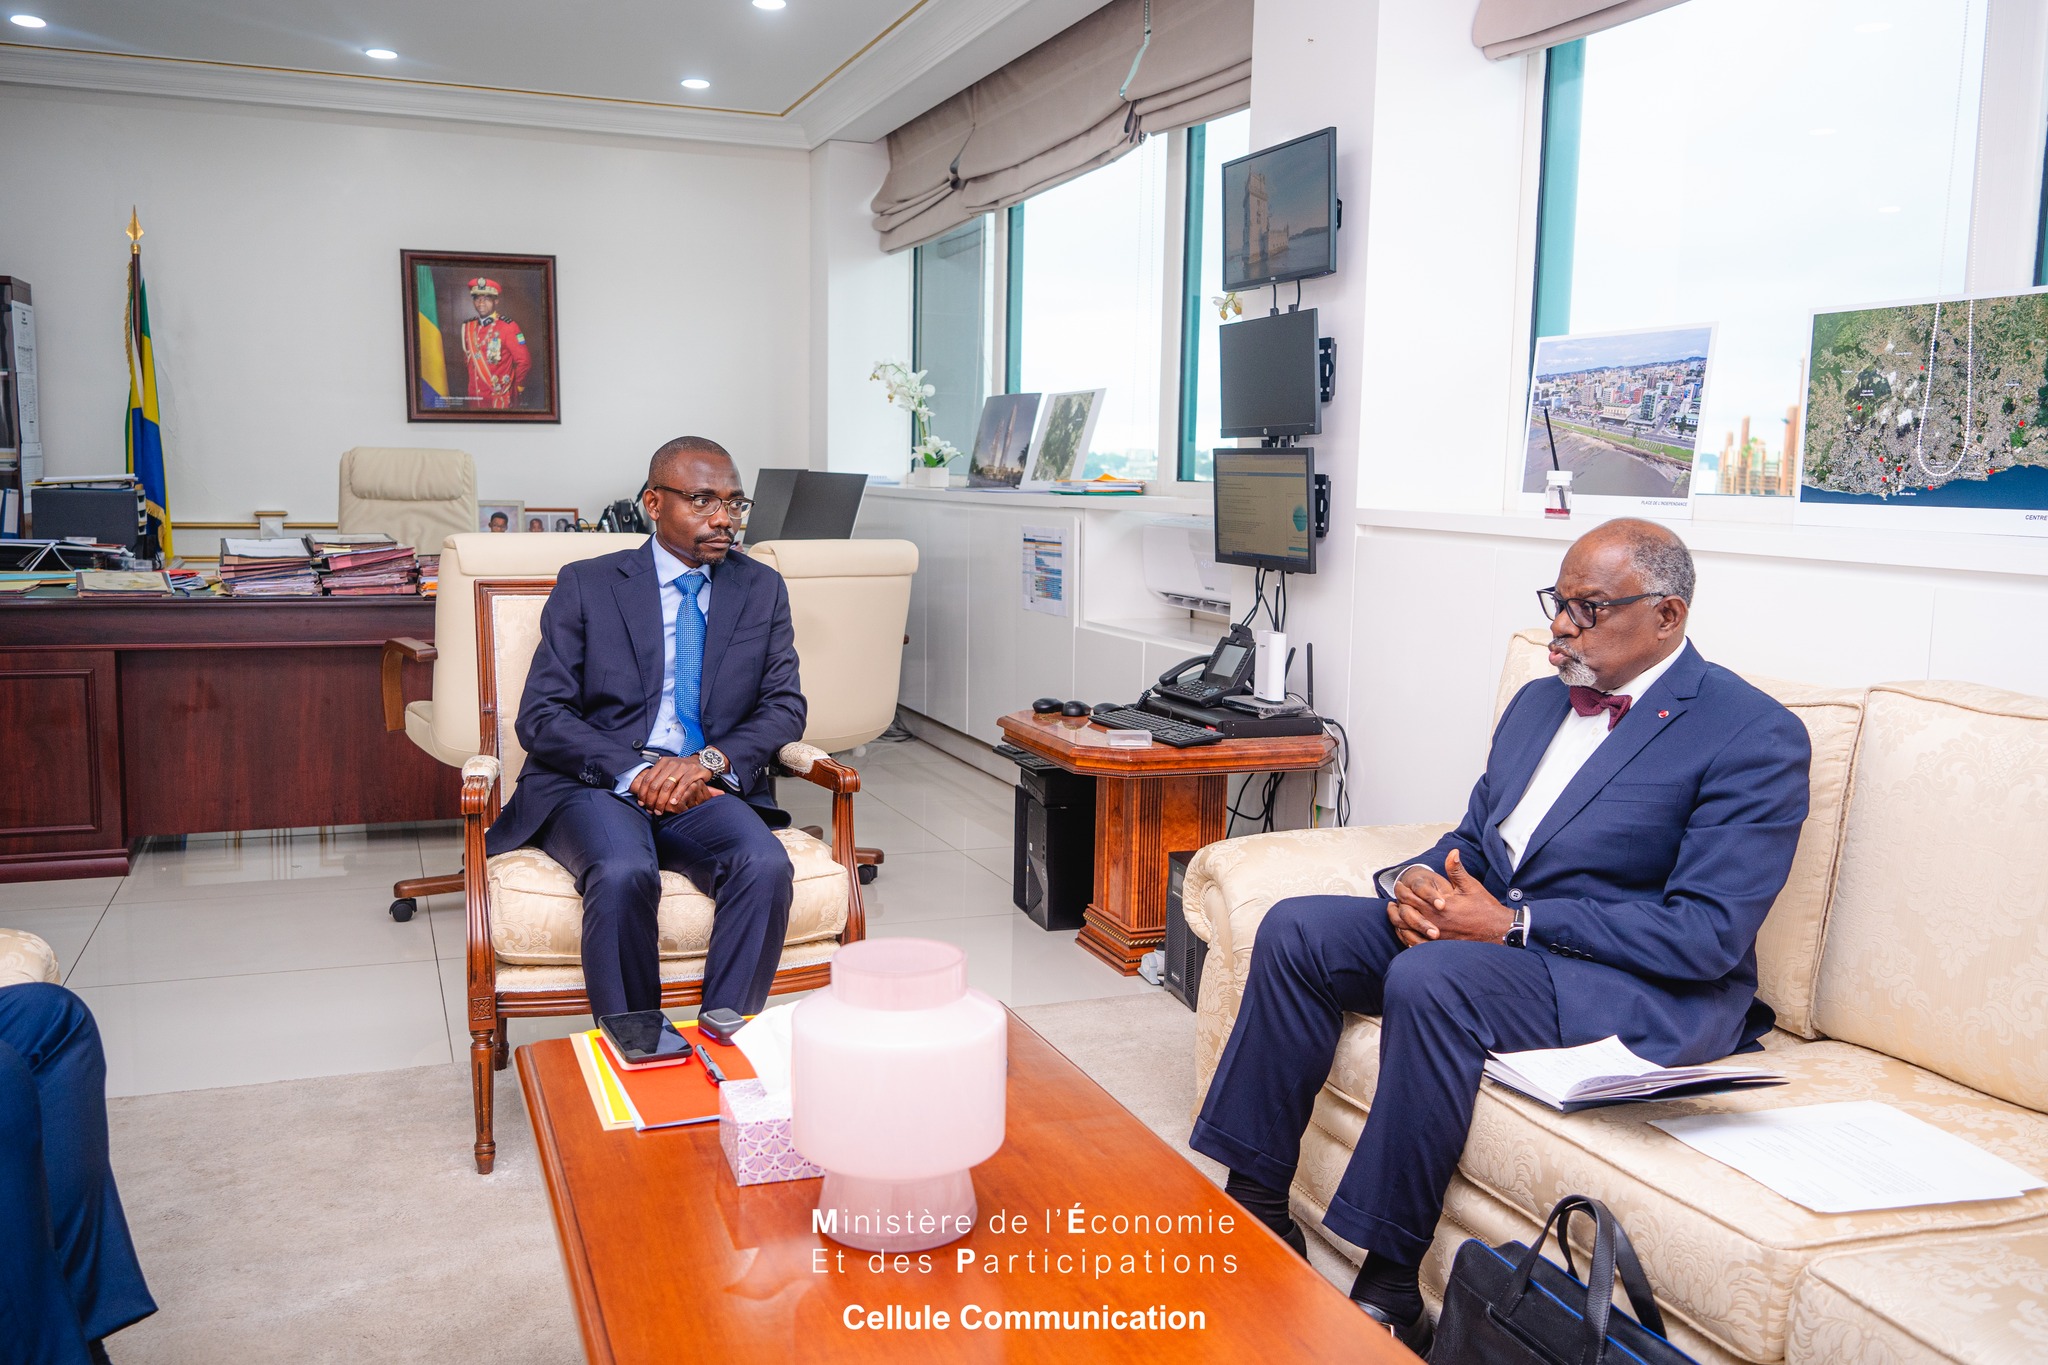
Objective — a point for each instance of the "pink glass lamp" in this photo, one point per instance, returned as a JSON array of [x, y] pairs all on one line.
[[897, 1076]]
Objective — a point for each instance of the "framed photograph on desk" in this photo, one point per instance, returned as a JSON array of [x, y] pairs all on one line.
[[479, 337], [551, 519]]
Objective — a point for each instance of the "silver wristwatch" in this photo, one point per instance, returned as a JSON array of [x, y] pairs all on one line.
[[1518, 932], [714, 762]]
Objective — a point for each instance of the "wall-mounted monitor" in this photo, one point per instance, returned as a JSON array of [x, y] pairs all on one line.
[[1280, 213], [1266, 369], [1265, 508]]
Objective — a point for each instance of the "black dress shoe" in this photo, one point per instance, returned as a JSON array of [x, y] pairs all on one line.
[[1414, 1335]]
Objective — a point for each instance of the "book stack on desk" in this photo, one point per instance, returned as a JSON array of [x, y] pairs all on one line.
[[430, 575], [267, 568], [123, 583], [370, 571]]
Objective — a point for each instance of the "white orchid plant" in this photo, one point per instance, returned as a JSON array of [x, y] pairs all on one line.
[[907, 389]]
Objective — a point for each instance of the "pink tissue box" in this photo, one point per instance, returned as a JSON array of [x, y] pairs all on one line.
[[754, 1131]]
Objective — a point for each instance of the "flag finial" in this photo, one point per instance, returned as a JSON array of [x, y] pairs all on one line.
[[134, 232]]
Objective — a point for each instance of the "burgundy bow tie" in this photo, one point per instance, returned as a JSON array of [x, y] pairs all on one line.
[[1589, 701]]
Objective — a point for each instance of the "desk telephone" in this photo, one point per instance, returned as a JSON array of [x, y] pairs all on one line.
[[1224, 672]]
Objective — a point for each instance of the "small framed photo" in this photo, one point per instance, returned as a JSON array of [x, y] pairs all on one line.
[[479, 337], [1003, 440], [553, 519], [1065, 429], [500, 516]]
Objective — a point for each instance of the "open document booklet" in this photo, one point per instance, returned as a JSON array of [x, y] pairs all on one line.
[[1606, 1072]]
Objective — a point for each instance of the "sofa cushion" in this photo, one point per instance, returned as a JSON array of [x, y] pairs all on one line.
[[537, 917], [25, 958], [1723, 1249], [1937, 946], [1976, 1299]]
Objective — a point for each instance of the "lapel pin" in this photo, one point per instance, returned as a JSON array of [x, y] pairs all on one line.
[[1662, 715]]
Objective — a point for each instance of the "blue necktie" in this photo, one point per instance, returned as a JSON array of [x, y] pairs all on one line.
[[689, 661]]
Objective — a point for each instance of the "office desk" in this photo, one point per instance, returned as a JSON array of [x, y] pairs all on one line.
[[128, 718], [1148, 803]]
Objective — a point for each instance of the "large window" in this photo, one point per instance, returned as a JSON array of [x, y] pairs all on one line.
[[949, 329], [1088, 265], [1745, 163], [1209, 146]]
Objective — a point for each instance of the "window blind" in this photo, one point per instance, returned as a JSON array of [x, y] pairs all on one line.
[[1508, 28]]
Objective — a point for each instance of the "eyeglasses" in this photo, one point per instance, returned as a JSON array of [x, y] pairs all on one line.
[[700, 503], [1585, 611]]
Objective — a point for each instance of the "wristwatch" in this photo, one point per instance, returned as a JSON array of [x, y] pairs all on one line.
[[1518, 932], [714, 762]]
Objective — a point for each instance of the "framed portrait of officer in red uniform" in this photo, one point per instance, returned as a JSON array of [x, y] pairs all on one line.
[[479, 337]]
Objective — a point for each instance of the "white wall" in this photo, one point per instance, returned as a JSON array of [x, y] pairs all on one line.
[[860, 314], [272, 258]]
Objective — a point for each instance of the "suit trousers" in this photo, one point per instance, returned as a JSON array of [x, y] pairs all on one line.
[[68, 1273], [1442, 1006], [616, 851]]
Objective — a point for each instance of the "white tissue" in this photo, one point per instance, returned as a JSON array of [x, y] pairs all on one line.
[[766, 1041]]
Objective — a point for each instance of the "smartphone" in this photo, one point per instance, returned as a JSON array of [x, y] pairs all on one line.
[[719, 1025], [645, 1038]]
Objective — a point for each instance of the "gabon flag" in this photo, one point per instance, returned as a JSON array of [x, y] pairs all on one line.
[[433, 359], [145, 432]]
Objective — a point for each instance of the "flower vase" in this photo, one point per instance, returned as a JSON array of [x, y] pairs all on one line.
[[926, 476]]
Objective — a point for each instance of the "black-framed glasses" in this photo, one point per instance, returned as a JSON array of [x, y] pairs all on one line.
[[1585, 611], [702, 502]]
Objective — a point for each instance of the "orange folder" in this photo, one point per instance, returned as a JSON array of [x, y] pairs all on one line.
[[670, 1096]]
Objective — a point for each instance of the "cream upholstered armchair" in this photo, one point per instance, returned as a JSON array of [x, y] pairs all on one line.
[[418, 496], [848, 602], [445, 724], [524, 916]]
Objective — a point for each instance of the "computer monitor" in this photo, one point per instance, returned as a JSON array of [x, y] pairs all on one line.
[[1280, 213], [1267, 372], [110, 516], [804, 504], [1265, 508]]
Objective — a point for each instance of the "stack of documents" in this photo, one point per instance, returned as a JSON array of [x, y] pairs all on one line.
[[1606, 1072], [123, 583], [430, 575], [370, 571], [1100, 486], [1852, 1157], [267, 568]]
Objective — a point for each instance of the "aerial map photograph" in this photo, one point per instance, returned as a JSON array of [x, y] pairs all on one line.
[[1930, 405], [1620, 410]]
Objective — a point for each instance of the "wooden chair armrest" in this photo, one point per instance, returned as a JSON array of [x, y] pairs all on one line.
[[479, 788], [397, 654], [815, 765]]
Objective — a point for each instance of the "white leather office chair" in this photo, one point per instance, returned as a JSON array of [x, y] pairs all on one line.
[[418, 496]]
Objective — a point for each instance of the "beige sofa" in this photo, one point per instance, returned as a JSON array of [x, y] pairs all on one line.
[[1907, 959]]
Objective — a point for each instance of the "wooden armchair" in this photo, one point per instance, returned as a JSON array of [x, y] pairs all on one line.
[[524, 915]]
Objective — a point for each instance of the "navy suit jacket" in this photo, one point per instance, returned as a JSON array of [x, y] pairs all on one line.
[[1650, 876], [594, 690]]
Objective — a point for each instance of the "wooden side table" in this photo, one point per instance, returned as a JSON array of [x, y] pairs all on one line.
[[1148, 803]]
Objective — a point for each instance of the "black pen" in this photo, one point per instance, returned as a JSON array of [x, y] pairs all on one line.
[[711, 1067]]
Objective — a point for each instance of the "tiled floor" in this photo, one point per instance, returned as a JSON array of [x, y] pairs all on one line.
[[244, 958]]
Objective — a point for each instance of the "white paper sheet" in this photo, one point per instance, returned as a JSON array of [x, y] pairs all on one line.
[[1044, 569], [1852, 1157]]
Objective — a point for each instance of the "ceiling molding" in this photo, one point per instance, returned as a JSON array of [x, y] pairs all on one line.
[[183, 78]]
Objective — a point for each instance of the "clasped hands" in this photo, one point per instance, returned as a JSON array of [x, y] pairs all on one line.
[[1426, 906], [672, 784]]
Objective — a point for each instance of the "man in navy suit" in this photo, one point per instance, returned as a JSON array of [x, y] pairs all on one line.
[[664, 683], [1636, 819]]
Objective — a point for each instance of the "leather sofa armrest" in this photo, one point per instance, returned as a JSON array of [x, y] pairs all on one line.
[[397, 654]]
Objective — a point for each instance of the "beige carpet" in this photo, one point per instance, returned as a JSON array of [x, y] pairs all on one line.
[[340, 1220]]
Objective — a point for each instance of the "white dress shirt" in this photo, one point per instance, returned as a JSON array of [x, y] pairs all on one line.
[[1576, 738], [668, 731]]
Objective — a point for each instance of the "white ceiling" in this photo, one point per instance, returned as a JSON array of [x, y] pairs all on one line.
[[813, 70]]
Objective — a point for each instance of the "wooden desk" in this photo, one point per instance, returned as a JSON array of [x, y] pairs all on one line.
[[670, 1261], [185, 716], [1148, 803]]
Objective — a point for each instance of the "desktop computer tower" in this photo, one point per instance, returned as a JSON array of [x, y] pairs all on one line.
[[1184, 952], [1053, 861]]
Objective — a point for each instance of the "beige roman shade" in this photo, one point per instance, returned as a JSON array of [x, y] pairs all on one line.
[[1508, 28], [1054, 113]]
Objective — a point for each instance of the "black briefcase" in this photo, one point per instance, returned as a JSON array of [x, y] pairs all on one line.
[[1507, 1305]]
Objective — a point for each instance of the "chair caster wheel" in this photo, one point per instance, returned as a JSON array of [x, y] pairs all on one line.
[[402, 909], [867, 873]]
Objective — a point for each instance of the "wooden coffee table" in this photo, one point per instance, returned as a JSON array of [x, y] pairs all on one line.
[[670, 1261]]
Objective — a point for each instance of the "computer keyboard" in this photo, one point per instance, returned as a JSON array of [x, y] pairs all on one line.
[[1178, 733]]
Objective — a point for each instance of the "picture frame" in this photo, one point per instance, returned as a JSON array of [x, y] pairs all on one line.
[[1066, 431], [1002, 443], [512, 511], [479, 337], [551, 519]]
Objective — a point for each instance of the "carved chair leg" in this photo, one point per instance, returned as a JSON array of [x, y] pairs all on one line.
[[482, 1045], [504, 1050]]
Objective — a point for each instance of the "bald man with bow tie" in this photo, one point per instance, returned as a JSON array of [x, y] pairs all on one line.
[[1636, 819]]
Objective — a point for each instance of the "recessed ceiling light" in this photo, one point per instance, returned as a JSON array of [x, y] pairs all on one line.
[[26, 21], [770, 4], [696, 83], [382, 54]]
